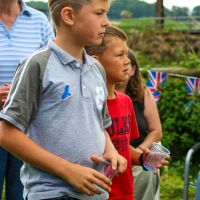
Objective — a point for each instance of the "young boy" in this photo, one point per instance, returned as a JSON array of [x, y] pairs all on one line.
[[64, 116], [112, 54]]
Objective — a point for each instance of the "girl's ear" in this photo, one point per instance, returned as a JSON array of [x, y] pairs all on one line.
[[132, 70], [67, 15]]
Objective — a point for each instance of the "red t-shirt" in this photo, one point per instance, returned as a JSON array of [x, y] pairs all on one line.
[[122, 131]]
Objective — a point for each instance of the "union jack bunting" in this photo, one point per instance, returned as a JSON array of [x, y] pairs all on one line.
[[193, 86], [156, 83]]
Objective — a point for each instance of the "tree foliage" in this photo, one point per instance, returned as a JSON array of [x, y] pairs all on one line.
[[137, 8], [39, 5], [179, 11], [179, 116], [196, 11], [125, 14]]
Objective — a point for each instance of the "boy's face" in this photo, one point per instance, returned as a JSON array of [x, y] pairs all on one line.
[[90, 22], [115, 61]]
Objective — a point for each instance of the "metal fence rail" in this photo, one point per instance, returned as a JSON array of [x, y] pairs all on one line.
[[190, 23]]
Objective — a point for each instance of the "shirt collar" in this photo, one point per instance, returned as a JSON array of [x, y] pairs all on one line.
[[89, 59], [66, 58], [25, 9], [63, 56]]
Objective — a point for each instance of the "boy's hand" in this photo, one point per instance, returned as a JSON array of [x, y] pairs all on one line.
[[118, 162], [80, 177], [85, 179], [111, 155]]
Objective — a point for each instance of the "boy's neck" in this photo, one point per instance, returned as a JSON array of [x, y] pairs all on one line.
[[120, 87], [69, 46], [111, 91]]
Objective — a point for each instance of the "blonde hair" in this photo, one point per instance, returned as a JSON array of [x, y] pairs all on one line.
[[110, 32], [56, 7]]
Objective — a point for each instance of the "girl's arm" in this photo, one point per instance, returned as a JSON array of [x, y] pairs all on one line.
[[135, 157], [153, 121]]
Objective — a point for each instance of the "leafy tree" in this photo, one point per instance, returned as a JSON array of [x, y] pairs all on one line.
[[126, 14], [139, 8], [180, 12], [196, 11], [39, 5], [116, 8]]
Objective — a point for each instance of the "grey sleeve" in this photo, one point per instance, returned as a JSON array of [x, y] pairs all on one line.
[[105, 115], [25, 94]]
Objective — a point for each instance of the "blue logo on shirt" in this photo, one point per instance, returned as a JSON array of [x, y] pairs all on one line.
[[66, 93]]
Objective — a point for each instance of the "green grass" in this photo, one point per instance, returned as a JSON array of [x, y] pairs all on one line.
[[172, 187], [144, 24]]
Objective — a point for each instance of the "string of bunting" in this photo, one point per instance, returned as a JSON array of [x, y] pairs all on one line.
[[157, 79]]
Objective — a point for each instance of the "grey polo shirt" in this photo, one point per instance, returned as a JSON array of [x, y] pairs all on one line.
[[61, 105]]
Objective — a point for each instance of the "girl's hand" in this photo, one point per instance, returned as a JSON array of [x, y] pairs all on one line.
[[161, 164]]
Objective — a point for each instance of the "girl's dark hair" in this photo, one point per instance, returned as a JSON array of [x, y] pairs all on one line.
[[135, 87]]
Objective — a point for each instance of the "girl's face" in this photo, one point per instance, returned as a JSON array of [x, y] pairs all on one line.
[[132, 70], [115, 61]]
